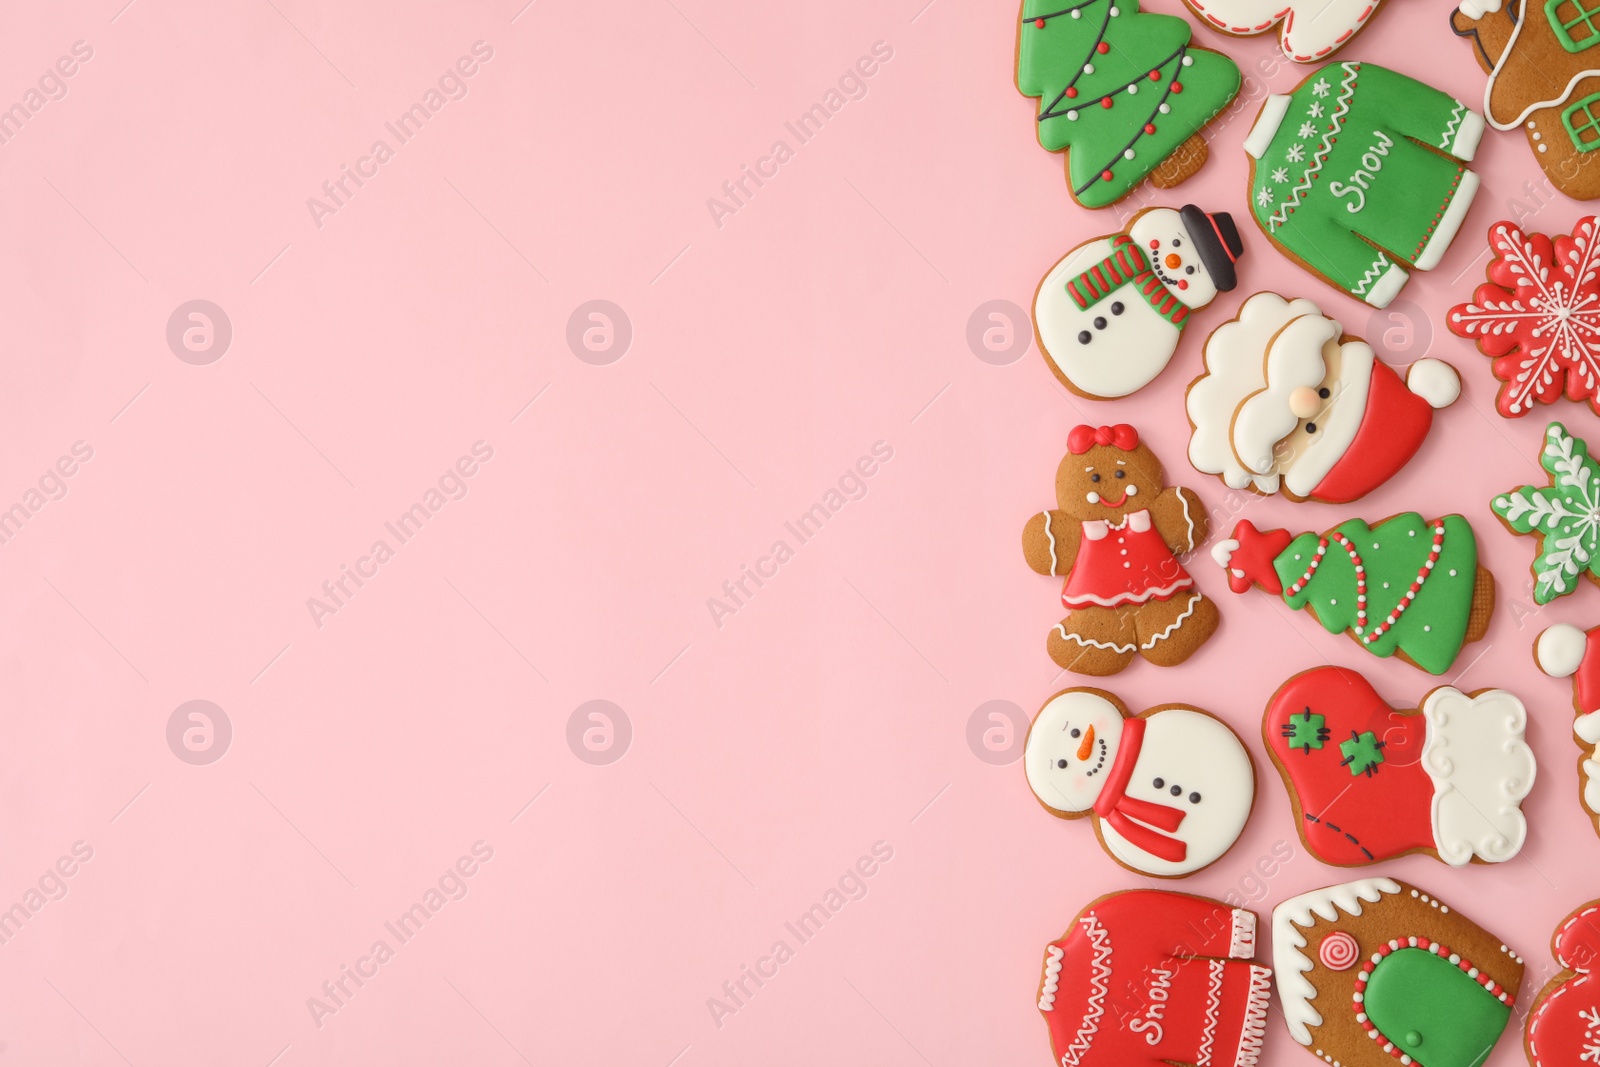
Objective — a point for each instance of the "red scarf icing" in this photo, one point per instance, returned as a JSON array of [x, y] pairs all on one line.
[[1116, 807]]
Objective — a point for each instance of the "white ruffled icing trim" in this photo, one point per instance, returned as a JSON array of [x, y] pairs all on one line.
[[1213, 1010], [1052, 978], [1155, 639], [1255, 1017], [1481, 767], [1295, 991], [1242, 945]]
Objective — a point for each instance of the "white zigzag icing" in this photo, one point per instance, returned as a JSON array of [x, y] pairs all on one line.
[[1052, 979], [1061, 629], [1213, 1005], [1347, 89], [1455, 120], [1373, 273], [1295, 991], [1052, 538], [1099, 971], [1255, 1016]]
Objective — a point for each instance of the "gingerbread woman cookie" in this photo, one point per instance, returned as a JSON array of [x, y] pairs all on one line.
[[1115, 534], [1563, 1027]]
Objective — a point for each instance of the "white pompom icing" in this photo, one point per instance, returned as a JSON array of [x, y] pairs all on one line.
[[1434, 381], [1560, 649]]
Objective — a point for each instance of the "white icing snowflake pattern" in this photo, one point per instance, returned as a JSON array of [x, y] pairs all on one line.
[[1315, 110], [1321, 88], [1307, 130], [1591, 1045], [1280, 175], [1539, 318], [1264, 197], [1296, 153], [1566, 513]]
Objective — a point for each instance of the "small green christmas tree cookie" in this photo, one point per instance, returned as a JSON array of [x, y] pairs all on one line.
[[1565, 516]]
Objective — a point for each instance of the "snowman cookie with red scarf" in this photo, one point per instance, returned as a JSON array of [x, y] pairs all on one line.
[[1169, 790], [1115, 534]]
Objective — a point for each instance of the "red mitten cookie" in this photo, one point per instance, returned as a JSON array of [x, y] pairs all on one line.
[[1154, 978], [1563, 1028], [1370, 782], [1116, 534], [1377, 971]]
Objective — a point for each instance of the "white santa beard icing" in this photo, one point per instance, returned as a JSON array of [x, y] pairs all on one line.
[[1295, 991], [1338, 422], [1293, 361], [1200, 755], [1235, 361], [1073, 788], [1124, 357], [1481, 768], [1163, 226]]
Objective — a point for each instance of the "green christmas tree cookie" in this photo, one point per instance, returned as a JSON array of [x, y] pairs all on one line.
[[1565, 516], [1121, 92]]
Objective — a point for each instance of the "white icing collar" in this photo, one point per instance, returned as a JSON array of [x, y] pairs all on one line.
[[1267, 123]]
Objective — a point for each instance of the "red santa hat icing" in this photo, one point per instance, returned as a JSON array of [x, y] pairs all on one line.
[[1564, 651], [1392, 424]]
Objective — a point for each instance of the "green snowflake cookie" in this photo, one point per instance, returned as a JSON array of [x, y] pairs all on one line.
[[1565, 516]]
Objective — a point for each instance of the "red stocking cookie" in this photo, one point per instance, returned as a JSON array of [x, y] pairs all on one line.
[[1563, 1028], [1377, 971], [1148, 978], [1369, 782], [1565, 651], [1116, 535], [1169, 789]]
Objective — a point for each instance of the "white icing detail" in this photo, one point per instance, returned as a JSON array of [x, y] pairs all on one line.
[[1133, 490], [1095, 1005], [1097, 529], [1559, 651], [1476, 9], [1434, 381], [1242, 939], [1293, 361], [1092, 497], [1468, 137], [1295, 991], [1266, 126], [1223, 551], [1587, 727], [1052, 538], [1394, 276], [1138, 521], [1052, 978], [1445, 232], [1213, 1006], [1312, 29], [1481, 768], [1188, 523], [1089, 642], [1255, 1017], [1204, 756], [1591, 783], [1155, 639], [1494, 75]]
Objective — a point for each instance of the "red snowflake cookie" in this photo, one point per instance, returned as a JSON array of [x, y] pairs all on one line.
[[1538, 317]]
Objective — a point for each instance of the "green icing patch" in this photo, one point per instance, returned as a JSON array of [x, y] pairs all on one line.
[[1362, 753], [1432, 1011], [1306, 731]]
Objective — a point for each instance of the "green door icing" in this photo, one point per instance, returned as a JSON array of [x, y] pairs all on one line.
[[1432, 1011], [1582, 121]]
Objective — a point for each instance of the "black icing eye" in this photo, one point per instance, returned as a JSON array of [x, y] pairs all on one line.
[[1076, 732], [1061, 763], [1323, 393], [1176, 790], [1121, 474], [1311, 427], [1194, 798], [1094, 477], [1188, 270], [1158, 783]]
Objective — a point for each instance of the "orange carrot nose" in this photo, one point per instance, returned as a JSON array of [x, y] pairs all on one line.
[[1088, 744], [1173, 261]]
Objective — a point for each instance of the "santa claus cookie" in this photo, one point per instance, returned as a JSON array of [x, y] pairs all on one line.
[[1290, 403], [1543, 79], [1564, 516], [1168, 790], [1370, 782], [1538, 317], [1153, 978], [1116, 535], [1409, 586], [1565, 651], [1563, 1027], [1109, 313], [1377, 971], [1312, 30], [1359, 176], [1123, 93]]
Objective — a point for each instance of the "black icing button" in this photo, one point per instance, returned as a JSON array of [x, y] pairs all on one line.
[[1084, 337], [1099, 324], [1116, 308]]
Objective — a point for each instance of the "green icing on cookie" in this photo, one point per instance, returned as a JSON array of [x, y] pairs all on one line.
[[1432, 626], [1362, 753], [1432, 1011], [1566, 514], [1306, 731], [1118, 89]]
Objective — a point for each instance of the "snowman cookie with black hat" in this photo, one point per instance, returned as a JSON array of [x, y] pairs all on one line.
[[1109, 314]]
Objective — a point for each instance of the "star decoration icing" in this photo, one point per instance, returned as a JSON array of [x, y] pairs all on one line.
[[1264, 197], [1280, 175], [1321, 88], [1315, 110], [1538, 317], [1565, 515], [1307, 130], [1296, 153]]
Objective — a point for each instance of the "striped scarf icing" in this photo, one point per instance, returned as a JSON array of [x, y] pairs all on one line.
[[1125, 264]]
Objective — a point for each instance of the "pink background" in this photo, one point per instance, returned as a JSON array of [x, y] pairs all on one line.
[[768, 354]]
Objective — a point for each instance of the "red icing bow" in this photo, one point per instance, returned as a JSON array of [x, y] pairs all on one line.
[[1083, 438]]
